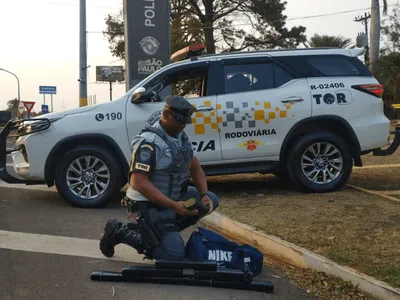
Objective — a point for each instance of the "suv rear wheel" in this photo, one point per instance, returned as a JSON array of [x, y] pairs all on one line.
[[88, 176], [320, 162]]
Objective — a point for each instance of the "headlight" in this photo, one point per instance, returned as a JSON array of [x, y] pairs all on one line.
[[37, 125]]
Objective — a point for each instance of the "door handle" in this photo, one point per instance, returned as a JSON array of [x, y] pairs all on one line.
[[292, 99], [204, 108]]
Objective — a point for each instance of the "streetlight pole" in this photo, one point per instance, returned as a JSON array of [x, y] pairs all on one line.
[[1, 69]]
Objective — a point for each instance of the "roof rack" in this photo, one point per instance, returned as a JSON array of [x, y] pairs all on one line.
[[269, 51], [198, 51]]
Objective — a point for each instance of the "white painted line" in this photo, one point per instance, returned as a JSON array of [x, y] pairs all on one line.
[[61, 245]]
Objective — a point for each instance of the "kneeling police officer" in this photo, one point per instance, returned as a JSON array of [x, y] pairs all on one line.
[[158, 193]]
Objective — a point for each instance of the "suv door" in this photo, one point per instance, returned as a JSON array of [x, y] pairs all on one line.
[[191, 81], [259, 101]]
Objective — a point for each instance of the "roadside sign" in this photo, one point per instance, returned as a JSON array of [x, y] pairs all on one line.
[[44, 89], [21, 108], [45, 108], [28, 105]]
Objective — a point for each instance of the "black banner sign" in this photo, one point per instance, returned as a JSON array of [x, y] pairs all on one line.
[[147, 38]]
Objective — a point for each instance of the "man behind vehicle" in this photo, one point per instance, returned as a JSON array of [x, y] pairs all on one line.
[[162, 161]]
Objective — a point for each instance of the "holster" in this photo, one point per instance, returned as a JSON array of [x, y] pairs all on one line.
[[151, 232]]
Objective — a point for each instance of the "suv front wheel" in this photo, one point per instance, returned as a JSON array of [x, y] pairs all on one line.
[[88, 176], [320, 162]]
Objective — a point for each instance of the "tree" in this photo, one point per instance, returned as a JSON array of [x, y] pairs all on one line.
[[115, 34], [12, 105], [185, 28], [391, 31], [213, 22], [375, 32], [225, 18], [319, 41], [388, 71]]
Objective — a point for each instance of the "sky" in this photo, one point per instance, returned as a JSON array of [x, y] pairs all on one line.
[[40, 43]]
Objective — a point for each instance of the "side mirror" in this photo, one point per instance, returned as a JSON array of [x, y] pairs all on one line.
[[139, 95]]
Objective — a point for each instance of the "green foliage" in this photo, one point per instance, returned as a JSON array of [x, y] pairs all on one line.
[[388, 69], [320, 41], [185, 28], [391, 31], [12, 105], [246, 25], [115, 34], [388, 73]]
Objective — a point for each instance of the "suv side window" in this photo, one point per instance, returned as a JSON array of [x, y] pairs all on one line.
[[332, 66], [252, 77], [325, 65], [189, 82]]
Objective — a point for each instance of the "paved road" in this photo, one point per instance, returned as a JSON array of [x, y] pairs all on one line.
[[48, 250]]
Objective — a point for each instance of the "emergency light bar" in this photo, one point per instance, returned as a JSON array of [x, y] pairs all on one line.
[[187, 52]]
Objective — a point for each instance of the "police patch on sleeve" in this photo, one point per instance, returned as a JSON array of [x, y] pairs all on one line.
[[143, 160]]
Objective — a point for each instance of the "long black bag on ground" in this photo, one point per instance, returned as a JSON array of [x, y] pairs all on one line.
[[235, 272]]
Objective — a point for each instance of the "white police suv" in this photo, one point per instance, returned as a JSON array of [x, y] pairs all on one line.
[[307, 114]]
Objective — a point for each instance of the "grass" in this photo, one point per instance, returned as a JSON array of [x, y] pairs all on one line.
[[352, 228], [388, 273], [340, 256]]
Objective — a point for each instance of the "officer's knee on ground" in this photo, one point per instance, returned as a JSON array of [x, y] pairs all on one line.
[[171, 248]]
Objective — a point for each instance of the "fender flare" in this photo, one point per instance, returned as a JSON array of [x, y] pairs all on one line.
[[353, 137], [49, 164]]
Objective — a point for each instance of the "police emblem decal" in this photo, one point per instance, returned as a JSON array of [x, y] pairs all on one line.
[[144, 155], [149, 45]]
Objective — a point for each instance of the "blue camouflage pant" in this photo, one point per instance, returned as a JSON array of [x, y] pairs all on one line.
[[172, 246]]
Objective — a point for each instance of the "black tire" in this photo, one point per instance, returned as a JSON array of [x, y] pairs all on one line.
[[281, 173], [295, 171], [114, 181]]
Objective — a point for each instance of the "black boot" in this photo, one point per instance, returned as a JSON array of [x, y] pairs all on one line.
[[115, 232]]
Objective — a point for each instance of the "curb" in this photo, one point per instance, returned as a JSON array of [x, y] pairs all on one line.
[[360, 189], [294, 255]]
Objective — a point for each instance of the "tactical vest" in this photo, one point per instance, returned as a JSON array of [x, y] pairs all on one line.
[[172, 180]]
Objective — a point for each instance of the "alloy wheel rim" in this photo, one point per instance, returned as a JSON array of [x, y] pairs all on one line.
[[322, 163], [88, 177]]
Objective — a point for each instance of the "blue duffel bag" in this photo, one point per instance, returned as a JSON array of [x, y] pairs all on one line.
[[205, 245]]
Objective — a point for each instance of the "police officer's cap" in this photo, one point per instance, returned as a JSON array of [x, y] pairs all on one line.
[[181, 108]]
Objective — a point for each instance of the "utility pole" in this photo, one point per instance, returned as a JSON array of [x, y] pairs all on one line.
[[364, 21], [82, 56]]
